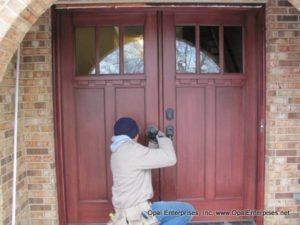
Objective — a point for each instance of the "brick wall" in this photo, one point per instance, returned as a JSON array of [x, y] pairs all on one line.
[[38, 122], [283, 111], [37, 204], [7, 99], [6, 142]]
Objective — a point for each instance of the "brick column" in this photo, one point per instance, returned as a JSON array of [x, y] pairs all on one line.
[[36, 190], [283, 112], [38, 122]]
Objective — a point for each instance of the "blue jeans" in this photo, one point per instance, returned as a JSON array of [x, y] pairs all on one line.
[[172, 213]]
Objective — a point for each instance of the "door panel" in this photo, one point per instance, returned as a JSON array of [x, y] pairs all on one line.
[[90, 136], [92, 101], [230, 129], [136, 98], [191, 120], [212, 125]]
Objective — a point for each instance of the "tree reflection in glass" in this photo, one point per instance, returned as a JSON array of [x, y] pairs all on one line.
[[133, 49], [109, 50], [185, 49]]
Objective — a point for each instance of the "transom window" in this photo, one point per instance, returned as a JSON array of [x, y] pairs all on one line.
[[109, 50], [209, 49]]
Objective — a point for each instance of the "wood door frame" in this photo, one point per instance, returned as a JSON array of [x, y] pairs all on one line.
[[57, 94], [57, 109]]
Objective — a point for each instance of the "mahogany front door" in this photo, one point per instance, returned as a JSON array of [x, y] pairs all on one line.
[[210, 80], [190, 72]]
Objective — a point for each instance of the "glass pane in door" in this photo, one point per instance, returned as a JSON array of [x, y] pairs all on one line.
[[133, 49], [109, 62], [233, 50], [85, 50], [185, 49], [209, 49]]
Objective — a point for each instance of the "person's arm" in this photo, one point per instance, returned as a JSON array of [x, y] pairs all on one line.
[[153, 144], [150, 158]]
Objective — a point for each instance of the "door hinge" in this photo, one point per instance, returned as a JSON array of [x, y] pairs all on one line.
[[262, 126]]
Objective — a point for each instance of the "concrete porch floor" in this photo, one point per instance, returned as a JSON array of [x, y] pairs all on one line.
[[192, 223]]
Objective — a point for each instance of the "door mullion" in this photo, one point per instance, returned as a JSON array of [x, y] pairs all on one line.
[[121, 47], [160, 66], [160, 80]]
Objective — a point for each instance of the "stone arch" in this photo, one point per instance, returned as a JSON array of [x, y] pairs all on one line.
[[16, 18], [295, 3]]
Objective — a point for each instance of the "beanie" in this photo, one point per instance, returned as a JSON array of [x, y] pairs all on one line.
[[126, 126]]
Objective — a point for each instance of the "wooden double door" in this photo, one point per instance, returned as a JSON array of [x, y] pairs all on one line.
[[191, 70]]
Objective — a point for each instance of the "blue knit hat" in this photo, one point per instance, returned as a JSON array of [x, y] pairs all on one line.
[[126, 126]]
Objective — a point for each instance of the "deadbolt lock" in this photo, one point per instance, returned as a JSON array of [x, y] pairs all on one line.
[[170, 114]]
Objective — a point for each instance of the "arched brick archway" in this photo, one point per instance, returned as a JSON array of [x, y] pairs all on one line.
[[295, 3], [16, 18]]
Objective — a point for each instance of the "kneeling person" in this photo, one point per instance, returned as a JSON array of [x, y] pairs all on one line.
[[131, 165]]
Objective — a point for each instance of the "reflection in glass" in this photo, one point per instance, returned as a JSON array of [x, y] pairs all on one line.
[[85, 50], [134, 49], [209, 49], [233, 50], [185, 49], [109, 50]]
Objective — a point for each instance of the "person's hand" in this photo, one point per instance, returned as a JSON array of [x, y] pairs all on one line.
[[160, 134]]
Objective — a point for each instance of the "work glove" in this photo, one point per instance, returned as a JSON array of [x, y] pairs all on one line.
[[153, 143]]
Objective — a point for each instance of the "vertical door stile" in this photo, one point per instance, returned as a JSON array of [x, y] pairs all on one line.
[[151, 69], [251, 112], [68, 112], [159, 36], [160, 67], [168, 183]]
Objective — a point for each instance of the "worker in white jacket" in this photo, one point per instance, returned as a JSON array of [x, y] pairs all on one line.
[[132, 190]]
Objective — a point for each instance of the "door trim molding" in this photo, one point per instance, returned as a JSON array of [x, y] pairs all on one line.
[[57, 110], [66, 4], [260, 179]]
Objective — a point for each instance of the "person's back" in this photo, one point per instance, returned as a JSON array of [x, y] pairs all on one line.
[[131, 165], [130, 185]]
